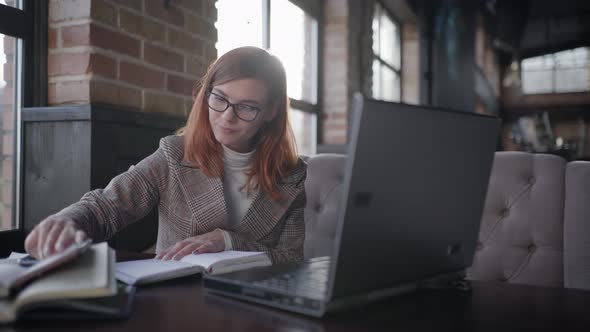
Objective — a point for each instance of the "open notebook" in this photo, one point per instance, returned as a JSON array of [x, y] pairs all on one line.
[[152, 270]]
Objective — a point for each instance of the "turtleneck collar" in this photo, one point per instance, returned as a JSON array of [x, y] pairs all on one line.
[[236, 160]]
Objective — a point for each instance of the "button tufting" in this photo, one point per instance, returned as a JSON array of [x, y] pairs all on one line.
[[532, 248], [532, 180], [504, 212], [317, 208], [478, 246]]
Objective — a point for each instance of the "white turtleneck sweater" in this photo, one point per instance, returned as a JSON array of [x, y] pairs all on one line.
[[235, 166]]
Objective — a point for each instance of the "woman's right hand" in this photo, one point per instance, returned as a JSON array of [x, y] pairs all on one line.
[[53, 235]]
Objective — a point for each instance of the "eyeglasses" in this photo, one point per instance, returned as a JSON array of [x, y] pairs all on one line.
[[242, 111]]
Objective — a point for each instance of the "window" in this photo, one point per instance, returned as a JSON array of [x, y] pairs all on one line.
[[560, 72], [18, 87], [290, 32], [386, 56], [10, 89]]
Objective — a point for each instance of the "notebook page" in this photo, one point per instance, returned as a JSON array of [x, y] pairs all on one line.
[[207, 259]]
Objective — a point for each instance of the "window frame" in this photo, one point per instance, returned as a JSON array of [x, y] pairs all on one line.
[[399, 27], [30, 26], [553, 74]]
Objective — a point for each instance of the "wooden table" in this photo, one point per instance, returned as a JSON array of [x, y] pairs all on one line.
[[183, 305]]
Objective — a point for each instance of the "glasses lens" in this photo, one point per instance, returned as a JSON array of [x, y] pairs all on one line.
[[217, 103], [245, 112]]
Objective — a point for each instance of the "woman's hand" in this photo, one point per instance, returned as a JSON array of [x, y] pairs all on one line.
[[53, 235], [208, 242]]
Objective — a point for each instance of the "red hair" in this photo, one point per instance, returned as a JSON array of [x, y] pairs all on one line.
[[276, 155]]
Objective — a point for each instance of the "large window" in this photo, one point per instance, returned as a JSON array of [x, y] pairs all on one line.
[[386, 56], [10, 90], [290, 32], [566, 71]]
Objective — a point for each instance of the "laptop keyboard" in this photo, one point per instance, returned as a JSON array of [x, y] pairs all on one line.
[[310, 280]]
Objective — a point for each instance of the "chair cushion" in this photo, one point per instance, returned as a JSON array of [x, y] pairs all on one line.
[[323, 187], [576, 233], [521, 234]]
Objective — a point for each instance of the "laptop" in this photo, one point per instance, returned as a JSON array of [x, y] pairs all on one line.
[[414, 189]]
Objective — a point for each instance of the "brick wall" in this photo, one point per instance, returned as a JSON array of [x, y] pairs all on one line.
[[348, 60], [131, 53], [335, 102], [410, 64]]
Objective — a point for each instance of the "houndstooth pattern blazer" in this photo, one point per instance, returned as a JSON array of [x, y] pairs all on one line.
[[190, 203]]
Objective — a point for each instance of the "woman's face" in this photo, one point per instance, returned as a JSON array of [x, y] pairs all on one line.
[[230, 130]]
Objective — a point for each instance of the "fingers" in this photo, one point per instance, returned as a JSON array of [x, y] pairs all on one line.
[[188, 249], [51, 236], [206, 247], [171, 252]]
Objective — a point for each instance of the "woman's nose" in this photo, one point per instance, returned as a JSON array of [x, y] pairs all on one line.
[[230, 114]]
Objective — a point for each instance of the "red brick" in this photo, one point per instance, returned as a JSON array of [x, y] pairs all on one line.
[[7, 118], [75, 35], [184, 41], [67, 64], [115, 41], [115, 94], [62, 10], [8, 94], [73, 92], [135, 4], [7, 167], [8, 45], [171, 15], [195, 66], [7, 144], [180, 85], [8, 71], [103, 12], [209, 10], [162, 57], [142, 26], [52, 38], [102, 65], [161, 103], [7, 191], [195, 6], [7, 216], [210, 51], [141, 75]]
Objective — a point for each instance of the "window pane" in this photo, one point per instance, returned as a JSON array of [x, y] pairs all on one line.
[[537, 81], [304, 126], [376, 30], [390, 84], [7, 131], [239, 23], [572, 80], [12, 3], [376, 80], [293, 39], [389, 51]]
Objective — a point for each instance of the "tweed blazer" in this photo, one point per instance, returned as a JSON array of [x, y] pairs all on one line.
[[191, 203]]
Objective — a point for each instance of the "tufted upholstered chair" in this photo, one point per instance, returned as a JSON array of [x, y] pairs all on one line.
[[525, 236], [323, 187], [521, 233]]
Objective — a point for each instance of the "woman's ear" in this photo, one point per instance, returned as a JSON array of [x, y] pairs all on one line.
[[272, 114]]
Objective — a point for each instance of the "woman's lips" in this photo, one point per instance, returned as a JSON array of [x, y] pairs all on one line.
[[227, 130]]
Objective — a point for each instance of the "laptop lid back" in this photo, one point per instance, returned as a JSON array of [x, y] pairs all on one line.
[[415, 187]]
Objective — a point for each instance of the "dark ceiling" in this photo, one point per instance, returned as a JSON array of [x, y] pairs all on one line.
[[525, 28]]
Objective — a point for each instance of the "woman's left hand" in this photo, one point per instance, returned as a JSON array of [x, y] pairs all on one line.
[[208, 242]]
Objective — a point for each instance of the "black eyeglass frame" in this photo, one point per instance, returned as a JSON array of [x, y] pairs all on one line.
[[233, 106]]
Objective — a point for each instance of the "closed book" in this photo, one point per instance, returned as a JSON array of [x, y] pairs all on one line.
[[152, 270]]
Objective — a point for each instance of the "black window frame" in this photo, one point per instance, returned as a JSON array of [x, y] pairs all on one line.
[[377, 57], [30, 25]]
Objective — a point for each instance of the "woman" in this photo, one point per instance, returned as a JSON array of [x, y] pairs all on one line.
[[230, 179]]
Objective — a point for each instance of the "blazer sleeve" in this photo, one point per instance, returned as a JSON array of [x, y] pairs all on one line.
[[127, 198], [289, 247]]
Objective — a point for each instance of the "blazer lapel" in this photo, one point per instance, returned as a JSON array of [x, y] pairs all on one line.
[[264, 213], [204, 196]]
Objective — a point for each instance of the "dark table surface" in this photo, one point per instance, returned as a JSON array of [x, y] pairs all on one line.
[[183, 305]]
